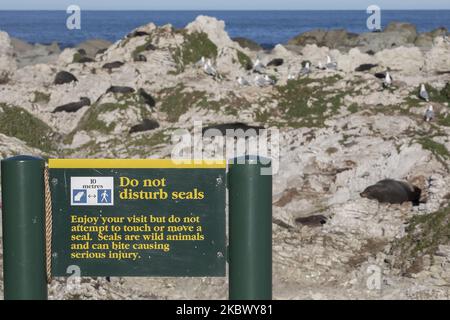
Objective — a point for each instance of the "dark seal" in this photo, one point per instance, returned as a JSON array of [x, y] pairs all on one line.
[[74, 106], [392, 191], [120, 89], [146, 125], [64, 77]]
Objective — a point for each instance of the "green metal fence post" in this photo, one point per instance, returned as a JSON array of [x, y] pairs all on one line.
[[23, 228], [250, 229]]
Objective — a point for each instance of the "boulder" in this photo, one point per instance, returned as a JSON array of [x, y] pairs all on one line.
[[333, 39], [407, 29], [248, 44], [407, 60], [92, 47]]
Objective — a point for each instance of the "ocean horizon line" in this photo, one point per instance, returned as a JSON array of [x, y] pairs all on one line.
[[224, 10]]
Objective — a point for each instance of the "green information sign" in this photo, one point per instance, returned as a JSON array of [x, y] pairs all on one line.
[[138, 218]]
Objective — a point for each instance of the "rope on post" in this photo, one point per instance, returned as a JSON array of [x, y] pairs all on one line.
[[48, 225]]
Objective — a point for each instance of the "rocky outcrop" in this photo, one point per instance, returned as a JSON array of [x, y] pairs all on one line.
[[7, 62]]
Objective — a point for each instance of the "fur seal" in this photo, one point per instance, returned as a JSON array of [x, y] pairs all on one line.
[[139, 58], [365, 67], [74, 106], [312, 221], [145, 125], [209, 131], [148, 99], [113, 65], [275, 63], [392, 191], [137, 33], [63, 77], [119, 89]]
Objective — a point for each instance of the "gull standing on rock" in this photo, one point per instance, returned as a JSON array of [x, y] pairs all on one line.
[[330, 64], [423, 94], [201, 63], [429, 114], [242, 82], [387, 80], [209, 69], [259, 66], [305, 70]]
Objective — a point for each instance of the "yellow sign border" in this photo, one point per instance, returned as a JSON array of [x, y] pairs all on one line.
[[135, 164]]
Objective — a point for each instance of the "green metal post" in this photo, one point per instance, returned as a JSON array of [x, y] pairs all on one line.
[[250, 229], [23, 228]]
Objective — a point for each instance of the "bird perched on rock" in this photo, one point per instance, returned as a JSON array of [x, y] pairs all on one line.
[[306, 69], [263, 81], [320, 66], [242, 82], [332, 65], [209, 69], [258, 67], [201, 63], [423, 94], [387, 80], [429, 114]]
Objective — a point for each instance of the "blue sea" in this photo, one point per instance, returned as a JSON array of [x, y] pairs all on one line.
[[268, 28]]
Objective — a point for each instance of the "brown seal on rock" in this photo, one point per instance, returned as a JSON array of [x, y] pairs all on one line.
[[392, 191]]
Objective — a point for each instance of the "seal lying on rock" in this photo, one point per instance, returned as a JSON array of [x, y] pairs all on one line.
[[312, 221], [210, 131], [146, 125], [392, 191], [74, 106], [365, 67], [148, 99], [275, 63], [113, 65], [63, 77], [120, 89]]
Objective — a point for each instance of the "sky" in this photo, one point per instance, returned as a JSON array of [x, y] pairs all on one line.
[[221, 4]]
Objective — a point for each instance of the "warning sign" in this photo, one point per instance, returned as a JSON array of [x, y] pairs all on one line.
[[92, 191]]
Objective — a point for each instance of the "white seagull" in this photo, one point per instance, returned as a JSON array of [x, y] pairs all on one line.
[[201, 63], [330, 64], [423, 94], [242, 82], [429, 114], [209, 69], [387, 80], [259, 66], [306, 69]]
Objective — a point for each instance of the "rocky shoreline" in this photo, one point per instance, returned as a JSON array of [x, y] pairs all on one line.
[[341, 129]]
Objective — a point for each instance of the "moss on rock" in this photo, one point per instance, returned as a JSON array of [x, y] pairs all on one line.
[[19, 123]]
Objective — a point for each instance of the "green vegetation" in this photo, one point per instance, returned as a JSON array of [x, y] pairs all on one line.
[[77, 57], [40, 97], [353, 108], [196, 45], [19, 123], [244, 60], [307, 102], [176, 101], [424, 235], [438, 149]]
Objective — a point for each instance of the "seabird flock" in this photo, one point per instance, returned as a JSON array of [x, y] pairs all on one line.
[[262, 79]]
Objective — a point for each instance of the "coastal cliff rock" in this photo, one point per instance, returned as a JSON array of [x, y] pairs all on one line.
[[7, 61]]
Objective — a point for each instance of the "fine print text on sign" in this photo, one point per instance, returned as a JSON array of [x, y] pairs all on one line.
[[138, 217]]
